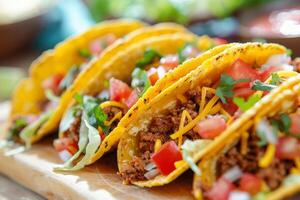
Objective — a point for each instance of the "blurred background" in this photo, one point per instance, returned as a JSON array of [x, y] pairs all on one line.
[[28, 27]]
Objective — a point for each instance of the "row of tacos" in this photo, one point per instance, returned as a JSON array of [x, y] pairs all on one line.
[[171, 101]]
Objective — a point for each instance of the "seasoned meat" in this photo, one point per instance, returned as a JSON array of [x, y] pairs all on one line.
[[296, 64], [73, 131], [272, 175], [111, 112], [161, 127]]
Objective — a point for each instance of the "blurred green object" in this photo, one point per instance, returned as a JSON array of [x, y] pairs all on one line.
[[180, 11], [9, 78]]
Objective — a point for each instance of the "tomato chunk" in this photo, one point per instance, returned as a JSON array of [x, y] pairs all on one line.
[[295, 124], [52, 83], [96, 47], [132, 99], [242, 70], [287, 148], [220, 190], [211, 127], [166, 156], [219, 41], [265, 74], [65, 144], [250, 183], [169, 61], [243, 92], [118, 90], [152, 75]]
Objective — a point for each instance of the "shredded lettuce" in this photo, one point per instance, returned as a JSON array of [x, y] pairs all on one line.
[[51, 96], [189, 148], [82, 143], [140, 81], [68, 119], [260, 196], [28, 132], [291, 180], [94, 141]]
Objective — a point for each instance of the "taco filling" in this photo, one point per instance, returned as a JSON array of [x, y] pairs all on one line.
[[54, 87], [100, 114], [200, 115], [266, 157]]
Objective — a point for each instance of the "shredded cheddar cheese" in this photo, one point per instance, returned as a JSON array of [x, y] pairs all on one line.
[[157, 145], [117, 116], [266, 160], [185, 114], [244, 143], [179, 163], [295, 170], [215, 109], [181, 98], [193, 123], [204, 91], [112, 103], [229, 117]]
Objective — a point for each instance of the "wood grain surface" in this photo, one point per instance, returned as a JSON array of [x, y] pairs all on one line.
[[34, 170]]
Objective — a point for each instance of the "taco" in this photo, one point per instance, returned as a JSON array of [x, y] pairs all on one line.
[[198, 107], [49, 86], [258, 159], [89, 127]]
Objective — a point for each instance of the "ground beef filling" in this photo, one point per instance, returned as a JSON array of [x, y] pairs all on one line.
[[111, 112], [73, 131], [273, 175], [160, 127], [296, 64]]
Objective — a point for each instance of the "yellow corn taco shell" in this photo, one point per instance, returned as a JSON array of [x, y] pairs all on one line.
[[282, 99], [60, 60], [121, 67], [205, 75], [86, 81]]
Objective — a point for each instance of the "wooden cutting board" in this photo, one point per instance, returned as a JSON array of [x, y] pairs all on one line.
[[33, 169]]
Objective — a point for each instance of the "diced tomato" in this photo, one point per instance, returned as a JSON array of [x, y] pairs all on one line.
[[243, 92], [295, 124], [101, 133], [250, 183], [219, 41], [65, 144], [152, 75], [230, 107], [265, 74], [52, 83], [118, 90], [169, 61], [110, 39], [166, 157], [220, 190], [287, 148], [211, 127], [96, 47], [242, 70], [132, 99]]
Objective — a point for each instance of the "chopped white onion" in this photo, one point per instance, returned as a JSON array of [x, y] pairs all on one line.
[[265, 128], [64, 155], [161, 71], [150, 166], [237, 195], [151, 174], [278, 60], [233, 174]]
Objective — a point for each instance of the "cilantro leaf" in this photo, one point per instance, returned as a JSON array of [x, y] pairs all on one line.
[[225, 89], [245, 105], [140, 81], [286, 122], [16, 127], [84, 53], [275, 79], [258, 85], [289, 52], [79, 98], [149, 56]]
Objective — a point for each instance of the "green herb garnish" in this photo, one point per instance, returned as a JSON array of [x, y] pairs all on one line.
[[245, 105], [275, 79], [85, 53], [258, 85], [225, 89], [16, 127], [149, 56]]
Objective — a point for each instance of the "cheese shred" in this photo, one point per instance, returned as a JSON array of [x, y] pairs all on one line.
[[181, 98], [116, 117], [157, 145], [266, 160], [113, 104], [244, 143]]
